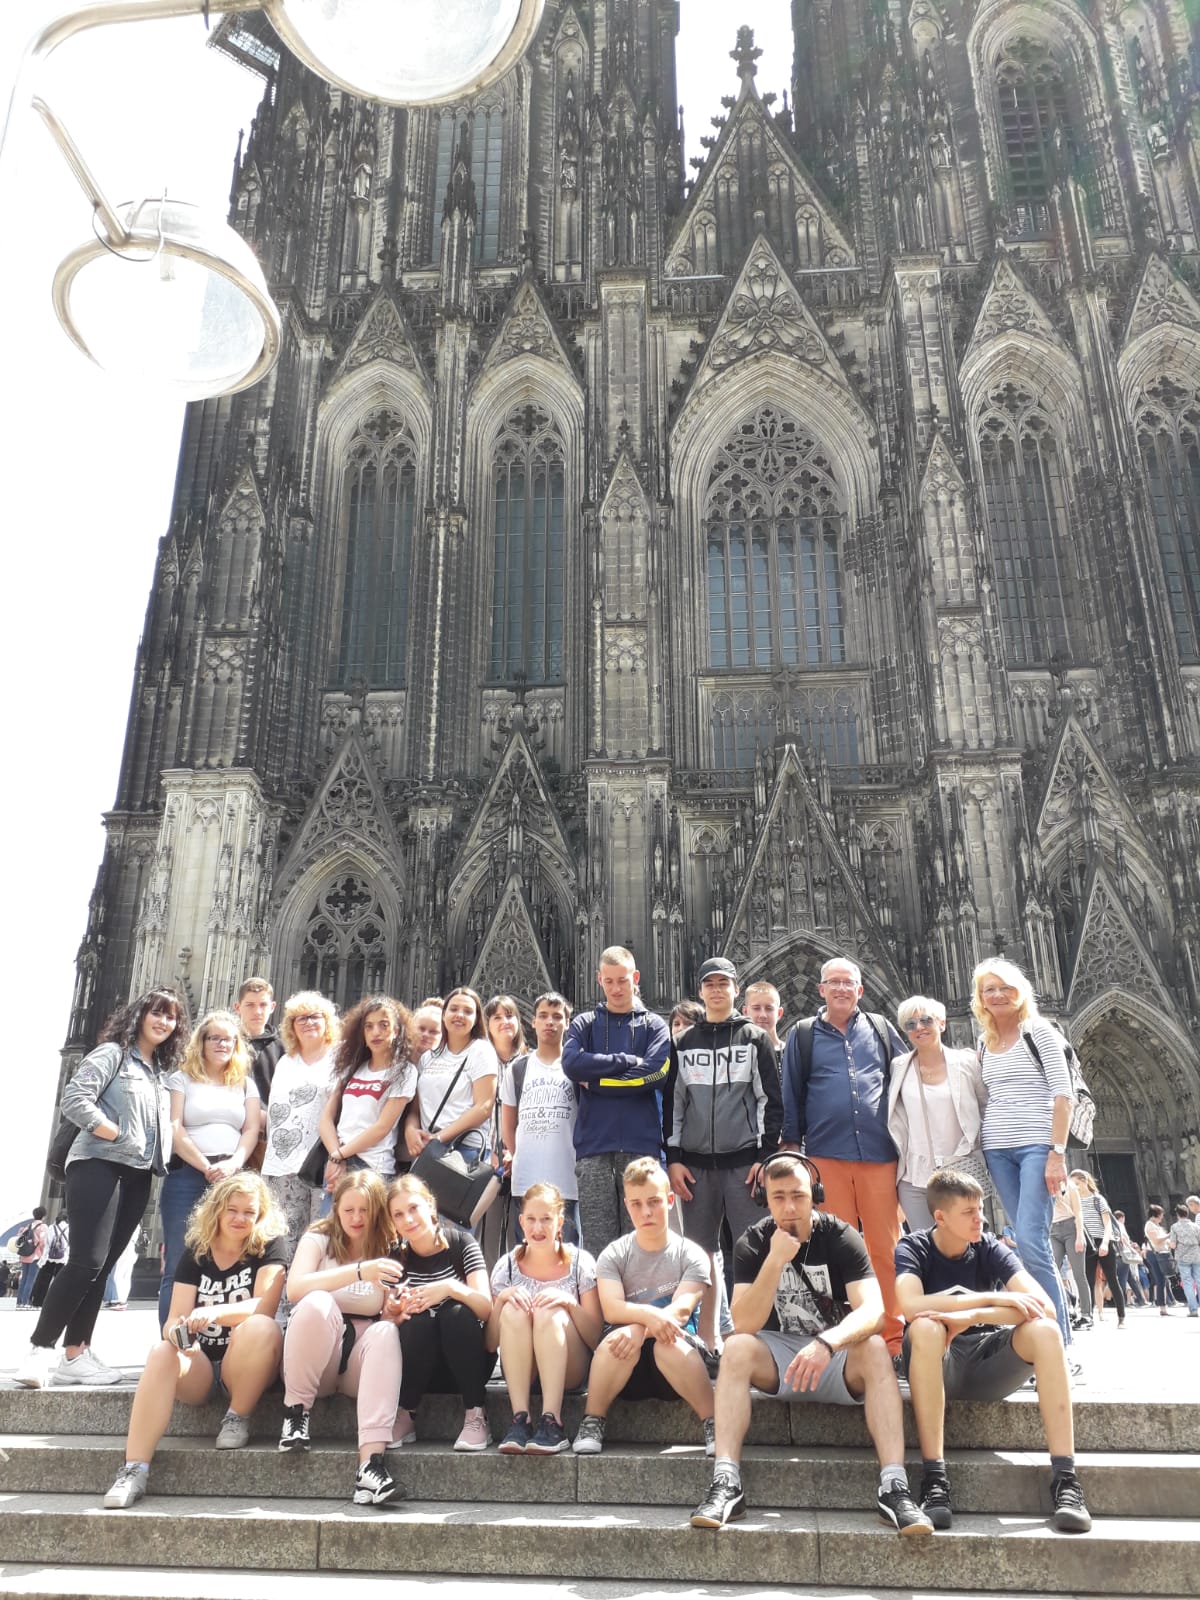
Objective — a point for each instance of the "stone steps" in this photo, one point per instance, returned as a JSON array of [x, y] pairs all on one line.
[[1001, 1553]]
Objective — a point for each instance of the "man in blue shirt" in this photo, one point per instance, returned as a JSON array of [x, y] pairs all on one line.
[[836, 1068], [977, 1324]]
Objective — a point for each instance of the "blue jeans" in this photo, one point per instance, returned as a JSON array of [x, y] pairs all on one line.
[[1020, 1178], [29, 1272], [179, 1193], [1189, 1277]]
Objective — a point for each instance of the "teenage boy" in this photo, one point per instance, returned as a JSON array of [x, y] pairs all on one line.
[[977, 1324], [807, 1312], [650, 1283], [254, 1009], [617, 1056], [721, 1119], [765, 1009], [537, 1115]]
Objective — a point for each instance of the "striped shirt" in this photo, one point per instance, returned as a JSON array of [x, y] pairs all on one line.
[[1094, 1207], [461, 1256], [1021, 1095]]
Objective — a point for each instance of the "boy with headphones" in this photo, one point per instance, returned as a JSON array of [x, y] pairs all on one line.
[[807, 1312]]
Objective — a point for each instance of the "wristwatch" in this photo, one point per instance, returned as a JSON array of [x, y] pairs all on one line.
[[1059, 1149]]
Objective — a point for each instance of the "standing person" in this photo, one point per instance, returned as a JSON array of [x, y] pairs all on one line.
[[978, 1326], [54, 1259], [336, 1343], [935, 1104], [537, 1116], [1068, 1243], [441, 1308], [456, 1083], [617, 1055], [507, 1034], [1028, 1115], [375, 1080], [1158, 1259], [650, 1283], [119, 1101], [545, 1322], [764, 1007], [1185, 1242], [722, 1113], [220, 1337], [836, 1074], [120, 1280], [215, 1123], [254, 1009], [426, 1028], [1128, 1263], [30, 1244], [1101, 1251], [683, 1016], [807, 1313], [299, 1089]]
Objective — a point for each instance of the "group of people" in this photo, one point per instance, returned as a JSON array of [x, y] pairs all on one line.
[[641, 1153]]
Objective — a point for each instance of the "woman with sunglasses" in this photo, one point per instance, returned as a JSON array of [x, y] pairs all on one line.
[[935, 1106], [119, 1100]]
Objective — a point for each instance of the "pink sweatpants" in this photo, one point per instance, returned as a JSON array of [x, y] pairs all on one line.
[[312, 1352]]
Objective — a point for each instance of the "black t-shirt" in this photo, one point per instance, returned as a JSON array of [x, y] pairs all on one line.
[[811, 1294], [224, 1286], [266, 1049], [982, 1269], [461, 1255]]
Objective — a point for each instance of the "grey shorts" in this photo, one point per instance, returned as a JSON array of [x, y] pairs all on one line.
[[718, 1192], [831, 1387], [981, 1366]]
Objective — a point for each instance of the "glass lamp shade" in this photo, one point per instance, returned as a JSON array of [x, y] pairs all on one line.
[[407, 52], [183, 306]]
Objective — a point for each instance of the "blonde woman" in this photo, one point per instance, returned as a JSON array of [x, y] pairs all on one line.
[[1027, 1117], [215, 1118], [336, 1344], [300, 1087], [1098, 1230], [545, 1319], [936, 1099], [221, 1332]]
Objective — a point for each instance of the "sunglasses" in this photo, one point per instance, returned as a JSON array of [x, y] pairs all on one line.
[[914, 1023]]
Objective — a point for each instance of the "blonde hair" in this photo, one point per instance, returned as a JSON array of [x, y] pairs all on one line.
[[997, 967], [238, 1070], [644, 1170], [301, 1004], [204, 1224], [379, 1237], [1089, 1182], [919, 1005], [552, 1195]]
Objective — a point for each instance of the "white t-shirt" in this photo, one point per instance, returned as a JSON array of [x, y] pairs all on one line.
[[214, 1114], [298, 1096], [435, 1072], [362, 1103], [545, 1150], [358, 1298], [943, 1124]]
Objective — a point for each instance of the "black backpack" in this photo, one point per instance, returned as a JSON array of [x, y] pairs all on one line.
[[26, 1240]]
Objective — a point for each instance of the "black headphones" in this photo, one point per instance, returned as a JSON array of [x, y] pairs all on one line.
[[759, 1193]]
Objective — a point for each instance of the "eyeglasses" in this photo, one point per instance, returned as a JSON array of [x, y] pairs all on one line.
[[998, 994], [837, 983], [914, 1023], [311, 1016], [219, 1038]]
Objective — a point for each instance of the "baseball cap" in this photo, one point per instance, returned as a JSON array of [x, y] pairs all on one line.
[[717, 967]]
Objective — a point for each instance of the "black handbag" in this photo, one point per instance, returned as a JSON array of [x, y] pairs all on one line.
[[463, 1190], [60, 1149]]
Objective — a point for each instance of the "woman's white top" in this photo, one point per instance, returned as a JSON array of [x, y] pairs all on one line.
[[363, 1100], [214, 1114], [1021, 1094], [298, 1095], [955, 1114], [356, 1298], [435, 1073]]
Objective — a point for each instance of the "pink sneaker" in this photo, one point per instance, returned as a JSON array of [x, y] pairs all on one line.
[[474, 1435], [404, 1430]]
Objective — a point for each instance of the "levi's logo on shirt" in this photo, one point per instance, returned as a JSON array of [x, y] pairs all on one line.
[[369, 1089]]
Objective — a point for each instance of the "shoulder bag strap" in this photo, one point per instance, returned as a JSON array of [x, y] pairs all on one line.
[[448, 1093]]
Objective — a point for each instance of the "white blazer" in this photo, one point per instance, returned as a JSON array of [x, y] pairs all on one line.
[[967, 1091]]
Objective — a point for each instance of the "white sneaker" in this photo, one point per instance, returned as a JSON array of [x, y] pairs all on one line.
[[36, 1369], [128, 1488], [85, 1368]]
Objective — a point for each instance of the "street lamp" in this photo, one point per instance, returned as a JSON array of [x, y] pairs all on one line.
[[163, 293]]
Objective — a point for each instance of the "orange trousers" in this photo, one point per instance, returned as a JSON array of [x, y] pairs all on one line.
[[863, 1193]]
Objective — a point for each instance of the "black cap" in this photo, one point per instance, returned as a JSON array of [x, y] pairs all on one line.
[[717, 967]]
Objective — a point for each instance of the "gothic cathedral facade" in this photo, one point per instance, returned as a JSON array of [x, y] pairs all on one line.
[[797, 554]]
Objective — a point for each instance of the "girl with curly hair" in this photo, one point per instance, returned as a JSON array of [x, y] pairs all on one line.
[[119, 1101], [376, 1079], [221, 1338]]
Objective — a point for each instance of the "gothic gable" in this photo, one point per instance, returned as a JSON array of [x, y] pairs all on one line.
[[347, 812], [799, 884], [1009, 308], [516, 797], [511, 959], [942, 477], [382, 335], [527, 329], [722, 172], [1161, 297], [243, 513], [1081, 793], [625, 497], [1109, 951]]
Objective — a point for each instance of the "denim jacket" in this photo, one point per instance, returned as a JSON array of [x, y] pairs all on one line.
[[122, 1088]]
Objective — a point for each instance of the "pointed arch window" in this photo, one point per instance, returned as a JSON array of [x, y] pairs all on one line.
[[773, 525], [1025, 498], [529, 550], [344, 953], [1042, 127], [1169, 443], [379, 495], [486, 125]]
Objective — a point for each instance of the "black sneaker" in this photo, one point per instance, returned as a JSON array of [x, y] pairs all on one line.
[[935, 1499], [515, 1441], [294, 1435], [1071, 1514], [897, 1506], [724, 1502], [373, 1483], [550, 1438]]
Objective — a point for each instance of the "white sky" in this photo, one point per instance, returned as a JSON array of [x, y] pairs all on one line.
[[88, 468]]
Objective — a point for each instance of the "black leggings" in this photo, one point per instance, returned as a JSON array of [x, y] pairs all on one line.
[[443, 1353], [1108, 1266], [105, 1203]]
